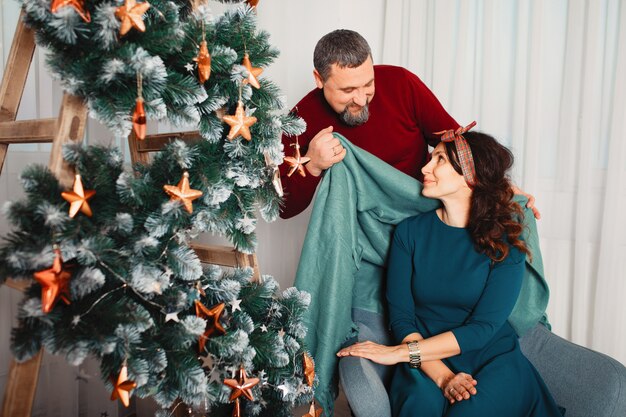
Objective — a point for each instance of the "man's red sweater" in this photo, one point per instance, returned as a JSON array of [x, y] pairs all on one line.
[[403, 114]]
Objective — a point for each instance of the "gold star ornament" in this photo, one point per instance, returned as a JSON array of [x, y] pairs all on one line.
[[131, 16], [213, 326], [239, 123], [78, 198], [296, 162], [77, 5], [183, 192], [253, 72], [204, 63], [122, 387], [55, 283]]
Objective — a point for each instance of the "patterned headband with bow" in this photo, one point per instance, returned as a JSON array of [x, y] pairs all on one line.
[[466, 160]]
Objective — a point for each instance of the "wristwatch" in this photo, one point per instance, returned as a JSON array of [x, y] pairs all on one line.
[[415, 357]]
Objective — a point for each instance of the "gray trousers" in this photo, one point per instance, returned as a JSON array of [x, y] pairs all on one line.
[[363, 381]]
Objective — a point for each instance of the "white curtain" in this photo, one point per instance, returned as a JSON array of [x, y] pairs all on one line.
[[548, 78]]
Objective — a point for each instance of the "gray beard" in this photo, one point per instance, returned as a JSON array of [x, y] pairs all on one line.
[[355, 119]]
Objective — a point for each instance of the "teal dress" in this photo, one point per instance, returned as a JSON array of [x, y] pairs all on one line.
[[438, 282]]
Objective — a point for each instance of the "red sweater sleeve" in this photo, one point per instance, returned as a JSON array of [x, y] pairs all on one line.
[[429, 113]]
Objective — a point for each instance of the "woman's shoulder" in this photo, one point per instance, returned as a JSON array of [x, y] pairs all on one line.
[[413, 223], [515, 256]]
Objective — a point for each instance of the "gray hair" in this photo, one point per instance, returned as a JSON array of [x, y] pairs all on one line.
[[343, 47]]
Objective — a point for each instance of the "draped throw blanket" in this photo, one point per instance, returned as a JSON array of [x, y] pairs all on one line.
[[358, 203]]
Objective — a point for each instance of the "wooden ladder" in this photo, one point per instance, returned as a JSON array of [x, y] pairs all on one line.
[[68, 127]]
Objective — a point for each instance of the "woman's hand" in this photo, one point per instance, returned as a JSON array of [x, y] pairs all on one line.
[[385, 355], [459, 387]]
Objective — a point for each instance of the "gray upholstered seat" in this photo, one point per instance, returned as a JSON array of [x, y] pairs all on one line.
[[584, 382]]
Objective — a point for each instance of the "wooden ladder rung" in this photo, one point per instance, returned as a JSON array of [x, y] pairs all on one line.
[[17, 284], [226, 256], [28, 131], [153, 143]]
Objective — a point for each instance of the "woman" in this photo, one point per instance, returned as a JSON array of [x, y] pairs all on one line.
[[454, 275]]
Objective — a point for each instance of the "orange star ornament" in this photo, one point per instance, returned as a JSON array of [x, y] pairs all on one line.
[[313, 412], [131, 16], [78, 198], [253, 72], [212, 316], [252, 3], [309, 369], [183, 192], [296, 162], [77, 5], [122, 387], [241, 386], [239, 123], [55, 283], [204, 62]]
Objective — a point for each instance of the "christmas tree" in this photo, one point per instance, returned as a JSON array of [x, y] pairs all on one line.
[[113, 272]]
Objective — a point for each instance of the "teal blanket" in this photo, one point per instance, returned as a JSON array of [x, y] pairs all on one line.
[[357, 205]]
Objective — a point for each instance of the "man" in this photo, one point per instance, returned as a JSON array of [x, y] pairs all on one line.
[[383, 109], [389, 112]]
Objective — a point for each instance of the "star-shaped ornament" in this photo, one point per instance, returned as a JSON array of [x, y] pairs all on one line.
[[172, 316], [78, 198], [281, 333], [284, 389], [131, 16], [204, 62], [309, 369], [207, 361], [253, 72], [122, 387], [55, 283], [77, 5], [276, 182], [296, 162], [236, 305], [183, 192], [212, 316], [189, 66], [314, 412], [214, 376], [239, 123], [241, 386], [264, 328]]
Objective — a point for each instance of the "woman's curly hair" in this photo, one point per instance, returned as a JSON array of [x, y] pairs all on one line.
[[495, 220]]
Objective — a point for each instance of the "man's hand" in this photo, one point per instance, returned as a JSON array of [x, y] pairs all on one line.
[[325, 150], [531, 201]]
